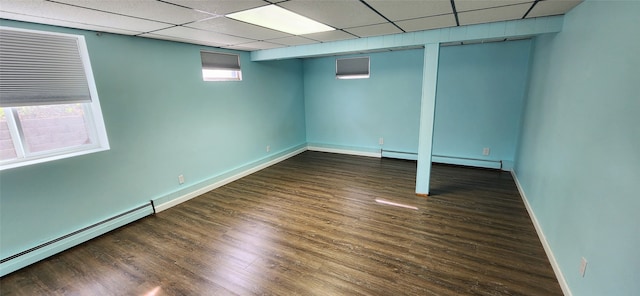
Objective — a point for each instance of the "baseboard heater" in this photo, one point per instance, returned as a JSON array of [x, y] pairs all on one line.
[[463, 159], [497, 164], [399, 154], [54, 246]]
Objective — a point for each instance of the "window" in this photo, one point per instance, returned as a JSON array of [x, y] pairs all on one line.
[[352, 68], [49, 106], [220, 66]]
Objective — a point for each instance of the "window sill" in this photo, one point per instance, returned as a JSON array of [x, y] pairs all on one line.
[[15, 163]]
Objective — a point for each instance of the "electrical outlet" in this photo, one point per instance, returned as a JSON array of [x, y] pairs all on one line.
[[486, 151], [381, 141], [268, 148], [181, 179], [583, 266]]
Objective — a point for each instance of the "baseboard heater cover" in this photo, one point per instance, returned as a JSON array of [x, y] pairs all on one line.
[[347, 150], [54, 246], [479, 160], [399, 154]]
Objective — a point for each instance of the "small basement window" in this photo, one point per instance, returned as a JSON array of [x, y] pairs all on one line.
[[218, 66], [352, 68], [49, 106]]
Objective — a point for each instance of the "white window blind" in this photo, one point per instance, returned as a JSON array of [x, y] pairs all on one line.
[[220, 61], [49, 105], [352, 68], [41, 69]]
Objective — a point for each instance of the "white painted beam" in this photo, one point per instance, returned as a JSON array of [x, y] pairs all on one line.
[[427, 116], [505, 29]]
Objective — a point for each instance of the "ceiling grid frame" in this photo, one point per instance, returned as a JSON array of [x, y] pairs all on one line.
[[194, 21]]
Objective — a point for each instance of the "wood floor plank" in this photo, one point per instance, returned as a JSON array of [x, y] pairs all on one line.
[[317, 224]]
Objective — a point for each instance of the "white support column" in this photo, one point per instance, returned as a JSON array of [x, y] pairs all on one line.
[[427, 115]]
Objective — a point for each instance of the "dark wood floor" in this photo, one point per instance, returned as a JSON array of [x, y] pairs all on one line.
[[311, 225]]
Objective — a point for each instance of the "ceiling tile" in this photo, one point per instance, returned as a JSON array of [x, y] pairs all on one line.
[[396, 10], [183, 40], [374, 30], [293, 40], [428, 23], [338, 14], [552, 7], [496, 14], [201, 35], [60, 23], [148, 9], [466, 5], [72, 14], [330, 36], [232, 27], [255, 45], [204, 22], [238, 47], [220, 7]]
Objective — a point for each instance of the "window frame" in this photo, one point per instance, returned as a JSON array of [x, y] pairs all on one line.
[[96, 130], [228, 72], [236, 75]]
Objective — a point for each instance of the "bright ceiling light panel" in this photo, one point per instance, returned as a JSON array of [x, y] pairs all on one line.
[[278, 18]]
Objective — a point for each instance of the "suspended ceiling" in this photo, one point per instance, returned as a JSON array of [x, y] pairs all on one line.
[[204, 22]]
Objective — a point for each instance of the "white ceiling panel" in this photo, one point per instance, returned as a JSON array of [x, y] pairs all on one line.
[[396, 10], [497, 14], [237, 28], [203, 21], [201, 35], [183, 40], [60, 23], [552, 7], [330, 36], [428, 23], [239, 47], [219, 7], [147, 9], [293, 40], [338, 14], [57, 11], [466, 5], [374, 30], [255, 45]]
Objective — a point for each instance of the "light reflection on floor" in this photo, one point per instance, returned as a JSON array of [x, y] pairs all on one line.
[[153, 291], [386, 202]]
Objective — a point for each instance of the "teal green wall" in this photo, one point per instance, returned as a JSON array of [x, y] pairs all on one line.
[[162, 121], [356, 112], [480, 92], [479, 100], [579, 156]]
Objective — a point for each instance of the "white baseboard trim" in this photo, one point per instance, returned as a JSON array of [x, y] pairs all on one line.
[[55, 246], [252, 169], [489, 164], [345, 151], [543, 239]]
